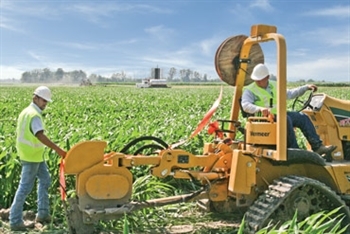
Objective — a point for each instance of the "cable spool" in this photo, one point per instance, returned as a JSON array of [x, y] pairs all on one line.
[[227, 59]]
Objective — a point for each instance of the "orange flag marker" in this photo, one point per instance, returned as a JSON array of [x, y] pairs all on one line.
[[204, 121]]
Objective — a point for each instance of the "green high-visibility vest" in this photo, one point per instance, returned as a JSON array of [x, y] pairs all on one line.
[[29, 147], [263, 97]]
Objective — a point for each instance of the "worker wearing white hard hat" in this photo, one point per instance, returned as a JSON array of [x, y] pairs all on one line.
[[43, 92], [260, 72], [261, 97], [30, 143]]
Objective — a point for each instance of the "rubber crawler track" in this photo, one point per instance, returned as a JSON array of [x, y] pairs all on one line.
[[285, 195]]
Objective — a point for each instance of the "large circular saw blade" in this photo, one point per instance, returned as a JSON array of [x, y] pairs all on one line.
[[226, 55]]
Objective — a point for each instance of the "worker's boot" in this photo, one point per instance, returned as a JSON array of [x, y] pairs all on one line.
[[325, 151], [43, 220], [4, 214], [22, 226]]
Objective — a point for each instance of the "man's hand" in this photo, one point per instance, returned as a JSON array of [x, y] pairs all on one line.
[[265, 111], [61, 152], [312, 87]]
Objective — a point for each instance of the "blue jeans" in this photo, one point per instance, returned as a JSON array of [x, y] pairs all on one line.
[[301, 121], [31, 171]]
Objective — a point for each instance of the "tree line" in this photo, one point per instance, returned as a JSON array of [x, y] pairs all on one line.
[[78, 76], [173, 75]]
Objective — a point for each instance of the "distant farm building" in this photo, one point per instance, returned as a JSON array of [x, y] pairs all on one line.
[[155, 81]]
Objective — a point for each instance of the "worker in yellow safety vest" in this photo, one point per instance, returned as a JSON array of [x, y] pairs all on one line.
[[30, 144], [260, 97]]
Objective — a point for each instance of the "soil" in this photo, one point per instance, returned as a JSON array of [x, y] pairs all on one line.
[[28, 216], [230, 224]]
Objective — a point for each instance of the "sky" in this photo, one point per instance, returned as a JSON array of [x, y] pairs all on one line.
[[104, 37]]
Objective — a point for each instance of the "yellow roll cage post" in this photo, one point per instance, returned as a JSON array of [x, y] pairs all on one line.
[[264, 33]]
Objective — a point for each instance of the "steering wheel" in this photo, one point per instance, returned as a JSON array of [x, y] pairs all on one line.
[[300, 104]]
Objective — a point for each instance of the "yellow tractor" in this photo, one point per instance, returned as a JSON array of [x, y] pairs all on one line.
[[258, 174]]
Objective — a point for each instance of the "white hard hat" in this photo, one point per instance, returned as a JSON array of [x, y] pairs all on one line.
[[260, 71], [43, 92]]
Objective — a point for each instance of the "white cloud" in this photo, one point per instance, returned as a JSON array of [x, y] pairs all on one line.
[[37, 56], [328, 69], [207, 46], [299, 52], [43, 11], [160, 32], [75, 45], [336, 11], [6, 23], [9, 72], [109, 8], [262, 4], [97, 12], [241, 13], [338, 35]]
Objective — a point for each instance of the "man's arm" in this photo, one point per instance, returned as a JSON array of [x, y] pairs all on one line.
[[46, 141], [299, 91], [38, 130]]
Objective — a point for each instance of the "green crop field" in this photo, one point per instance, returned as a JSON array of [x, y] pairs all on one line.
[[116, 114]]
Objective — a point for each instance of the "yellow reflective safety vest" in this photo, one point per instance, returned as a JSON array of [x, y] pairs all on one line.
[[263, 97], [29, 147]]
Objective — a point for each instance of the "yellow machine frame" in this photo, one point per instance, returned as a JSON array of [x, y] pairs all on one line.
[[238, 172]]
